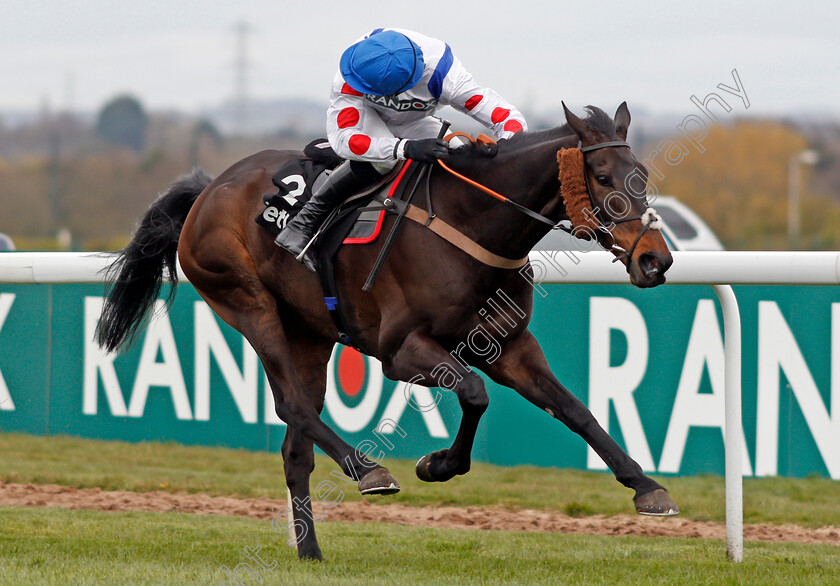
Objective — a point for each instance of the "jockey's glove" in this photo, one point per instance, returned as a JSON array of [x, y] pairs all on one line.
[[488, 150], [427, 149]]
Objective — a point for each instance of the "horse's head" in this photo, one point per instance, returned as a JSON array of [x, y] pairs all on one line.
[[615, 183]]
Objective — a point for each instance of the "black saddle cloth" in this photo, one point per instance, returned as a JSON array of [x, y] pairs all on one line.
[[298, 179]]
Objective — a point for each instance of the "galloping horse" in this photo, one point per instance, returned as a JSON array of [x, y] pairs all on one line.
[[426, 299]]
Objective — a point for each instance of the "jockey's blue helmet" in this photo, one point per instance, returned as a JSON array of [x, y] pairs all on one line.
[[384, 64]]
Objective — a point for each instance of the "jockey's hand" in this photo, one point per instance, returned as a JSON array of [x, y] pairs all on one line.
[[427, 149], [488, 150]]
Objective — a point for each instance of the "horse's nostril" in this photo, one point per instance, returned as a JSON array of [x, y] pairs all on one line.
[[650, 265]]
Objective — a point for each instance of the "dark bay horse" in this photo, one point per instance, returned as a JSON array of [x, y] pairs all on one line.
[[425, 302]]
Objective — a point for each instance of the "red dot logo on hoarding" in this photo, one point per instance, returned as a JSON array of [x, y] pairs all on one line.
[[354, 387], [351, 371]]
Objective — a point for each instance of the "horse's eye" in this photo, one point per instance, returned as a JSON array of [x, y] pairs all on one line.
[[603, 180]]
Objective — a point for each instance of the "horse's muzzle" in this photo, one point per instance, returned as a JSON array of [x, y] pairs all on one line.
[[650, 269]]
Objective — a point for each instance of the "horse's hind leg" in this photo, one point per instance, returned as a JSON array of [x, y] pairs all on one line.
[[298, 453], [253, 312], [311, 356], [294, 404], [298, 463], [420, 356], [297, 399], [522, 366]]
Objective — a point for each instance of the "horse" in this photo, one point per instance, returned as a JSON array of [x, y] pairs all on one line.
[[425, 301]]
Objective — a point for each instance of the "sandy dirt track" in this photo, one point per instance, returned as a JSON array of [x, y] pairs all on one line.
[[481, 518]]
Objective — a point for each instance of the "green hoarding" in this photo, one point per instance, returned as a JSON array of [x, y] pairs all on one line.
[[648, 363]]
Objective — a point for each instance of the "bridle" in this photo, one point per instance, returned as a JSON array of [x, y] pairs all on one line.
[[649, 218]]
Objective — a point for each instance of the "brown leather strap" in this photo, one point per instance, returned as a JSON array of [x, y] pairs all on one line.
[[455, 237], [459, 240]]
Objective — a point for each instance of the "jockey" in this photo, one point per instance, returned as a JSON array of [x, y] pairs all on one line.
[[387, 87]]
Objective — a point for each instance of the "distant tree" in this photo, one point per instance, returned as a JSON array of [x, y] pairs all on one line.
[[204, 129], [738, 185], [123, 121]]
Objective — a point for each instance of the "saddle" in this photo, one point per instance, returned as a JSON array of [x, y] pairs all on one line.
[[297, 180], [358, 220]]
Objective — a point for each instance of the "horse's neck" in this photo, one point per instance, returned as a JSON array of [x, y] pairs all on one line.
[[528, 176]]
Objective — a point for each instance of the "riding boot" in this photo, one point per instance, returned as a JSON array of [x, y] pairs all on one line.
[[340, 184]]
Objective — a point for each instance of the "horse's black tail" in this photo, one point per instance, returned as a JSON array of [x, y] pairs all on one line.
[[136, 276]]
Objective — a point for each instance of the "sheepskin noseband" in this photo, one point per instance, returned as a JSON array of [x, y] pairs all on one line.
[[575, 195]]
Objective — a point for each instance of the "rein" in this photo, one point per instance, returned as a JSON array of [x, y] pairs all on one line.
[[484, 139], [649, 218], [501, 197]]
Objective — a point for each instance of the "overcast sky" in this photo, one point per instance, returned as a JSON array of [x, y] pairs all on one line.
[[654, 53]]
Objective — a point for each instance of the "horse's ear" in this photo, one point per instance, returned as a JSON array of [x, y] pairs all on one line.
[[585, 133], [622, 121]]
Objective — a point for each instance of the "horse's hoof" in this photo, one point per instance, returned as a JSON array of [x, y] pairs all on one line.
[[313, 554], [379, 481], [656, 503], [428, 470], [422, 469]]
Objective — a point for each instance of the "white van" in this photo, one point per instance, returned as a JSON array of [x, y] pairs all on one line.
[[684, 230]]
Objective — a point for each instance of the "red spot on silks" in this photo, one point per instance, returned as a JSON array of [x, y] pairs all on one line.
[[513, 126], [359, 144], [348, 117], [473, 101], [499, 114], [348, 91], [351, 371]]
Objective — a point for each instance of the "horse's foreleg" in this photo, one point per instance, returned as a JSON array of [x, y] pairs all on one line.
[[421, 360], [523, 367]]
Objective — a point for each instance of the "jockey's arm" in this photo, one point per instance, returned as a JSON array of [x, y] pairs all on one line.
[[355, 130], [489, 108]]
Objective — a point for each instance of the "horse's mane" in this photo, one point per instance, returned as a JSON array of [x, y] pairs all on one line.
[[596, 119]]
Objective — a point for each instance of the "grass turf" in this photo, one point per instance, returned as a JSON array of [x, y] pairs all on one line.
[[810, 502], [57, 546]]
